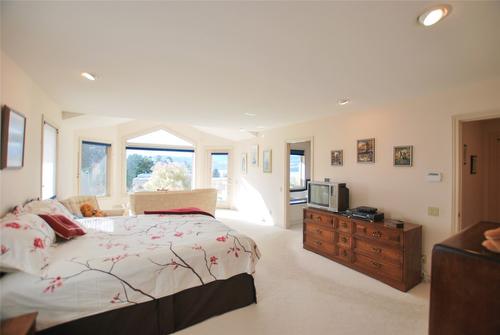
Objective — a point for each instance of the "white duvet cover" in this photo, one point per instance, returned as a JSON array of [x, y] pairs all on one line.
[[127, 260]]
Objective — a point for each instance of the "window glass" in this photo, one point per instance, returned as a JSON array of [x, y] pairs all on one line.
[[297, 170], [150, 169], [49, 161], [159, 160], [94, 168], [219, 179], [160, 137]]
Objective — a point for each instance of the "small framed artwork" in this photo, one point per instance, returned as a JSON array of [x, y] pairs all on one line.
[[403, 155], [254, 155], [267, 161], [473, 164], [366, 151], [337, 157], [244, 163], [13, 138]]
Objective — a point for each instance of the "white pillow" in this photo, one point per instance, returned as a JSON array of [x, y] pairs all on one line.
[[24, 243], [46, 207]]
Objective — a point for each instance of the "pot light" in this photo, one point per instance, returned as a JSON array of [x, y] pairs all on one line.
[[343, 101], [242, 129], [88, 76], [249, 114], [261, 127], [434, 15]]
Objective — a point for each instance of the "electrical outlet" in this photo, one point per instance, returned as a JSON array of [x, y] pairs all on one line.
[[424, 259], [433, 211]]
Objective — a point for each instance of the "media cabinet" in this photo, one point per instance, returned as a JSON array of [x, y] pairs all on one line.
[[391, 255]]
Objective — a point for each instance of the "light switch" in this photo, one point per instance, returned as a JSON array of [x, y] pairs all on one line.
[[433, 211]]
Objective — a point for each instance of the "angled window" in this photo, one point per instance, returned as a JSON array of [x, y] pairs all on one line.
[[159, 160], [49, 161], [94, 166]]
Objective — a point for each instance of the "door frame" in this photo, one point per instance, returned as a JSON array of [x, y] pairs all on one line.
[[457, 160], [286, 172], [230, 172]]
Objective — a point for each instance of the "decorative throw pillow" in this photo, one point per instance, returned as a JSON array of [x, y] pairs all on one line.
[[25, 242], [46, 207], [63, 226]]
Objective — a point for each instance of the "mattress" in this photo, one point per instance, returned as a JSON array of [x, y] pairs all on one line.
[[123, 261]]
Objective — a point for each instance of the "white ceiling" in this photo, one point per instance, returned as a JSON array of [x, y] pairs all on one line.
[[207, 63]]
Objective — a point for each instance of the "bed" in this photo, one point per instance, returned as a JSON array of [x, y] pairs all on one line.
[[153, 274]]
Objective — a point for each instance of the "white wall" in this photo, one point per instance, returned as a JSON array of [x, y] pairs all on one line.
[[74, 132], [20, 93], [425, 123]]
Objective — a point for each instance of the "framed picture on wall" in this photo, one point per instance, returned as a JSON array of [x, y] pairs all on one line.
[[267, 161], [244, 163], [254, 155], [366, 151], [403, 155], [337, 157], [13, 139]]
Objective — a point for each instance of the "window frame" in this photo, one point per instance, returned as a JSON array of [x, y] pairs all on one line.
[[149, 146], [56, 183], [109, 146], [297, 152]]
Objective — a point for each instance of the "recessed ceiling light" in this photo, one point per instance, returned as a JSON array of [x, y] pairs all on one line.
[[434, 15], [88, 76], [249, 114], [343, 101], [261, 127], [242, 129]]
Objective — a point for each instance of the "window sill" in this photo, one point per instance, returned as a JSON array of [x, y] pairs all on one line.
[[298, 190], [298, 202]]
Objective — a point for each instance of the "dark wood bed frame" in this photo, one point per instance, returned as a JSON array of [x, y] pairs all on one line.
[[168, 314]]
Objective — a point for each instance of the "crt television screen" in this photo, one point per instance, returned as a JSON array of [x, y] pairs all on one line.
[[319, 194]]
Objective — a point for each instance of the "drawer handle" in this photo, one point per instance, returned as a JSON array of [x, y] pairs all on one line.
[[318, 242], [377, 234], [319, 231], [344, 239], [377, 250], [344, 253], [377, 265]]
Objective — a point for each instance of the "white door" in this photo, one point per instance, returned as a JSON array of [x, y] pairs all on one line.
[[220, 176]]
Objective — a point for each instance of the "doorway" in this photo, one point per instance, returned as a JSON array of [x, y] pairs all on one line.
[[479, 172], [220, 176], [298, 172]]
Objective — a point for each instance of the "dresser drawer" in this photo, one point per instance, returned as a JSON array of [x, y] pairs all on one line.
[[320, 218], [320, 245], [389, 270], [319, 232], [378, 251], [377, 232], [345, 225], [344, 254], [344, 240]]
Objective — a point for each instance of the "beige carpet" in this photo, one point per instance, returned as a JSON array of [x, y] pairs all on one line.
[[299, 292]]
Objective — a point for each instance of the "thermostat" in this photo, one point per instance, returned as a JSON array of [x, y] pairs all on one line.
[[434, 177]]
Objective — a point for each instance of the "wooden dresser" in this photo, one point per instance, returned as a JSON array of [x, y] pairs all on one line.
[[465, 285], [390, 255]]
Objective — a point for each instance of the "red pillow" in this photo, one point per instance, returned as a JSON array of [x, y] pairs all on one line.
[[63, 226]]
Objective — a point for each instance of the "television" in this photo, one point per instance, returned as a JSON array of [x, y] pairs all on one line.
[[327, 195]]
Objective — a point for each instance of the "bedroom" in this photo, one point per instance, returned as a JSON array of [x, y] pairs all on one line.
[[227, 83]]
